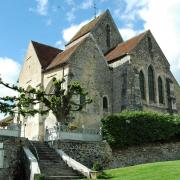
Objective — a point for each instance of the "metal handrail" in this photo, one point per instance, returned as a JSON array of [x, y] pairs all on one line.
[[36, 153], [80, 130]]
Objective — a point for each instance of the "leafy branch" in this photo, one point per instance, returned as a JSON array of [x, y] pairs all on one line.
[[61, 102]]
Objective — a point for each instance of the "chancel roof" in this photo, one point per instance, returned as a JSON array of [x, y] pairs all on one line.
[[124, 48]]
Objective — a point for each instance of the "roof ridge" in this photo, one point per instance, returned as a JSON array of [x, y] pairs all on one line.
[[86, 28], [136, 36], [35, 42], [45, 53], [125, 47], [73, 48]]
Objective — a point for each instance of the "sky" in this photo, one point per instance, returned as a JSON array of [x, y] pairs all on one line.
[[54, 22]]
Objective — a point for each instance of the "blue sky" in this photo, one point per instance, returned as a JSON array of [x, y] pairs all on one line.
[[54, 22]]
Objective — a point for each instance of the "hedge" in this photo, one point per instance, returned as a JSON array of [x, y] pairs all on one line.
[[136, 128]]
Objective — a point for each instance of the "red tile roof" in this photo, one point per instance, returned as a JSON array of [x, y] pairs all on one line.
[[63, 56], [86, 28], [124, 48], [45, 53]]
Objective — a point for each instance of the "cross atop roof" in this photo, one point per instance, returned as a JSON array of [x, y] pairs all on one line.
[[95, 9]]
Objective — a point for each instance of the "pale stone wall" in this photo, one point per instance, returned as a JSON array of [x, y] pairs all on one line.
[[59, 73], [30, 76], [89, 68]]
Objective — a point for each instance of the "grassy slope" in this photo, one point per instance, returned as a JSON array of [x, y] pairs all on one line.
[[169, 170]]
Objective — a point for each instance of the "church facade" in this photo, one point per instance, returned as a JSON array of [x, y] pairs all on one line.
[[118, 75]]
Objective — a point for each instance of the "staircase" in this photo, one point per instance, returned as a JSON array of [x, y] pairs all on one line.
[[51, 165]]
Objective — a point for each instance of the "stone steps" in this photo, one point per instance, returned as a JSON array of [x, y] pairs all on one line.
[[61, 177], [51, 165]]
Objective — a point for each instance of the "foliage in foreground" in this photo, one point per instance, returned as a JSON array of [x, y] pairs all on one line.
[[136, 128], [60, 101]]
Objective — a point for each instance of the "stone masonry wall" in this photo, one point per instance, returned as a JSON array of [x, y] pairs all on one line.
[[87, 153], [12, 158], [145, 154], [126, 92], [99, 33], [92, 72], [149, 53]]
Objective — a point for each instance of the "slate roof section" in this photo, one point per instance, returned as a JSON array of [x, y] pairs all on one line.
[[45, 53], [62, 57], [86, 28], [124, 48]]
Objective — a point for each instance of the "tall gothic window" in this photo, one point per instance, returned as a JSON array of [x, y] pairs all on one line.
[[149, 44], [151, 84], [150, 47], [142, 85], [160, 90], [105, 104], [82, 99], [108, 31]]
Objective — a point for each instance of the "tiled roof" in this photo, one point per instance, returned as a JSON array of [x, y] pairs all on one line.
[[124, 48], [45, 53], [86, 28], [63, 56]]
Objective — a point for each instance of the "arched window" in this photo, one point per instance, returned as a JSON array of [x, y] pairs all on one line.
[[160, 90], [108, 34], [82, 99], [151, 84], [149, 44], [105, 104], [142, 85]]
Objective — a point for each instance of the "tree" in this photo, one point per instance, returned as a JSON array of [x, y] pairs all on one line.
[[60, 101]]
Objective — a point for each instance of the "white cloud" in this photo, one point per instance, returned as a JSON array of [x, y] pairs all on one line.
[[59, 44], [128, 33], [70, 2], [9, 71], [41, 8], [87, 4], [134, 4], [162, 18], [69, 32], [70, 15]]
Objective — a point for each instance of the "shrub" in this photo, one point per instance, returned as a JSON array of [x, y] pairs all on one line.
[[135, 128], [97, 167]]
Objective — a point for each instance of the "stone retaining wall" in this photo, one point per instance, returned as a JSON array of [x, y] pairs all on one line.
[[12, 157], [87, 153], [145, 154]]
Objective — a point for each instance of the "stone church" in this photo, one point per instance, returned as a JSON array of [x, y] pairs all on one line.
[[118, 75]]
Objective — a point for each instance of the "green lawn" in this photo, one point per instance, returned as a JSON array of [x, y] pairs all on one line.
[[169, 170]]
